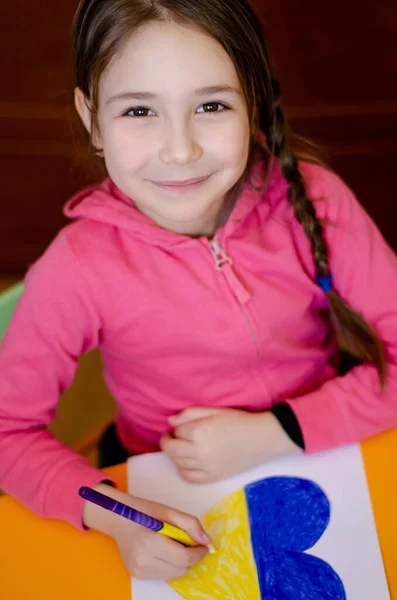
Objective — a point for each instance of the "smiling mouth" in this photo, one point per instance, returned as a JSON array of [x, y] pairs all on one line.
[[186, 184]]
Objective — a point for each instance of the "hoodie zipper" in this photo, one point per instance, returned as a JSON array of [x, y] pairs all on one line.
[[224, 263]]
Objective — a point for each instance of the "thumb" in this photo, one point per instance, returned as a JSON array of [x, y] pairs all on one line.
[[192, 413], [190, 524]]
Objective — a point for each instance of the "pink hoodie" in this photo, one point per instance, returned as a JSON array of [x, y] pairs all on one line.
[[180, 323]]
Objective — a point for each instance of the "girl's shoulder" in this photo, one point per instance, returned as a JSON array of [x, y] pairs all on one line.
[[349, 230], [333, 199], [346, 224]]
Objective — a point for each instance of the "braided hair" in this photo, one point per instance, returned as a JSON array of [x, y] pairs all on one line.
[[354, 335]]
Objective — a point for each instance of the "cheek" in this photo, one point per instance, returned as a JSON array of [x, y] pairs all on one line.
[[243, 135], [231, 144], [129, 149]]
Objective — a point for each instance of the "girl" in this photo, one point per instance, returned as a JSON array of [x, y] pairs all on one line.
[[218, 275]]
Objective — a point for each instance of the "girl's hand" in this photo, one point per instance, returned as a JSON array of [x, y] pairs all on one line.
[[146, 554], [209, 444]]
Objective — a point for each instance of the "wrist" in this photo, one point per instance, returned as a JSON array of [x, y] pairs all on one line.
[[271, 439], [100, 519]]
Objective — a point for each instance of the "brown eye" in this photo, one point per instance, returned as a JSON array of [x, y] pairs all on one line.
[[212, 107], [139, 111]]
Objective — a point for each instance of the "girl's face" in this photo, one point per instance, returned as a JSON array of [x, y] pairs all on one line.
[[173, 125]]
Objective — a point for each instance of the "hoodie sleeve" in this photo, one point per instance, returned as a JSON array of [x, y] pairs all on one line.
[[351, 408], [55, 321]]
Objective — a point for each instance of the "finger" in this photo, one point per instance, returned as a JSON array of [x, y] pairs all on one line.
[[156, 568], [182, 557], [192, 414], [185, 462], [164, 571], [159, 557], [187, 523], [143, 560], [169, 571], [176, 447], [194, 475], [187, 431]]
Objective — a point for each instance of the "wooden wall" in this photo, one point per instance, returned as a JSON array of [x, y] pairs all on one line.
[[337, 62]]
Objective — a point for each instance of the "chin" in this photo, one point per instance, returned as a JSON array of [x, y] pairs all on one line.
[[185, 218]]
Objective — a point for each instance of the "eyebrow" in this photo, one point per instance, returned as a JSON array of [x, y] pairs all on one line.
[[204, 91]]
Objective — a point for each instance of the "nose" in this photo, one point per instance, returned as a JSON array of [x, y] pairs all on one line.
[[179, 146]]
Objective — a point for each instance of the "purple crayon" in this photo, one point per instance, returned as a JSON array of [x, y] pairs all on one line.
[[137, 516]]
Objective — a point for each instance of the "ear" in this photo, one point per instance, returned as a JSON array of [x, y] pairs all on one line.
[[85, 113]]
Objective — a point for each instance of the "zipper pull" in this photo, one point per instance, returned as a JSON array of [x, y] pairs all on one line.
[[224, 263], [219, 255]]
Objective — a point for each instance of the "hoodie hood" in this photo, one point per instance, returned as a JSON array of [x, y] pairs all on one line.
[[106, 203]]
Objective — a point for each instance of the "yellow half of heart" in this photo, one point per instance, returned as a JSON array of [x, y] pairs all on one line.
[[230, 572]]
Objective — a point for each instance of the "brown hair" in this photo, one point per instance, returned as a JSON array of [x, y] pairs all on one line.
[[100, 29]]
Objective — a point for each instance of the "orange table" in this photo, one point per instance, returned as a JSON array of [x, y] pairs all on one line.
[[44, 559]]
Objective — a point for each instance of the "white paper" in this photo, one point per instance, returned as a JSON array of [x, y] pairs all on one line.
[[349, 544]]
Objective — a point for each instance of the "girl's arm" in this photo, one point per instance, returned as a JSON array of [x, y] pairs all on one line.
[[55, 321], [351, 408]]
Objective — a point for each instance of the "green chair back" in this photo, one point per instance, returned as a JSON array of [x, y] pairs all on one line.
[[8, 302]]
